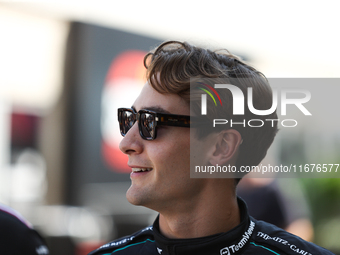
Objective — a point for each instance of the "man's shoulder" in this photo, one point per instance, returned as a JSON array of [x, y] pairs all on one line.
[[269, 237], [17, 235], [12, 217], [141, 242]]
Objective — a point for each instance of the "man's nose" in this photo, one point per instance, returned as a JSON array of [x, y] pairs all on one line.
[[132, 141]]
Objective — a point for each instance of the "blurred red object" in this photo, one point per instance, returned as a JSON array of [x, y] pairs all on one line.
[[85, 248], [24, 129]]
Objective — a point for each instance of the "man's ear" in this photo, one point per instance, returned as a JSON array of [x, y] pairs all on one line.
[[226, 147]]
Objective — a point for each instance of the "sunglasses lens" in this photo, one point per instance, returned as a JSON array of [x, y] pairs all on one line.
[[147, 125], [127, 121]]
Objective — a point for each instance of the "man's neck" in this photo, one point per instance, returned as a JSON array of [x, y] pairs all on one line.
[[208, 215]]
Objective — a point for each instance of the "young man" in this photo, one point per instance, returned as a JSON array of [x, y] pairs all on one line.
[[196, 215]]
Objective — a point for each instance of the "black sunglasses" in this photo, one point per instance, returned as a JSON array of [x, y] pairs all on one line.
[[148, 121]]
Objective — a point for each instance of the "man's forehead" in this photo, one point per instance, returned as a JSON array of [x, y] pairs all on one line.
[[150, 99]]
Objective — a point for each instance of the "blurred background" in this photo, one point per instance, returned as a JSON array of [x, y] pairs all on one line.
[[65, 67]]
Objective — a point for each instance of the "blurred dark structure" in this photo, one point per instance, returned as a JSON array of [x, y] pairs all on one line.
[[90, 51]]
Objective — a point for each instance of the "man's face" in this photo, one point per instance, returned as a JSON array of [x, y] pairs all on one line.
[[168, 182]]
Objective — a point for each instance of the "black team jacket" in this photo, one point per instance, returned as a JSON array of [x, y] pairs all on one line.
[[249, 237]]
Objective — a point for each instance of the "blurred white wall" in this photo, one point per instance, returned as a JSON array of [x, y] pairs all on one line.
[[31, 62], [31, 73], [284, 39], [290, 39]]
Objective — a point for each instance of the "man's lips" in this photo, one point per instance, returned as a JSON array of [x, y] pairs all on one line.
[[137, 169]]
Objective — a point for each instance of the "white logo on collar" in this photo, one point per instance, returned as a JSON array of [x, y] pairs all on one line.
[[245, 238], [225, 251], [159, 250]]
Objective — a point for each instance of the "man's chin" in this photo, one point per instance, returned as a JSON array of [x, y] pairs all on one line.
[[134, 197]]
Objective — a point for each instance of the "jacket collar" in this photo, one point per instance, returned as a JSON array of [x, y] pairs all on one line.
[[232, 242]]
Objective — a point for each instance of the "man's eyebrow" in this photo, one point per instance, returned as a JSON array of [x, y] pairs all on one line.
[[153, 108]]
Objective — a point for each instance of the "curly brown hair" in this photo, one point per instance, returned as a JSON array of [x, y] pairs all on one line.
[[173, 67]]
